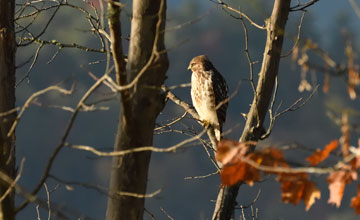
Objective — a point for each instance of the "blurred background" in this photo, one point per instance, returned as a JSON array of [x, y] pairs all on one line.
[[192, 28]]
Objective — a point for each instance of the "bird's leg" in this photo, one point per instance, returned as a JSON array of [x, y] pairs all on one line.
[[206, 124]]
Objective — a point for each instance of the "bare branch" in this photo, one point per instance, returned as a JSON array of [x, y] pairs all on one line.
[[12, 185], [184, 85], [31, 98], [48, 200], [251, 63], [302, 7], [190, 22], [45, 27], [85, 108], [191, 111], [254, 128], [172, 122], [202, 177], [63, 45], [139, 149], [293, 107], [137, 195], [254, 201], [63, 139], [27, 75], [224, 5], [10, 112], [105, 190], [313, 170], [149, 213], [167, 214], [355, 6], [297, 37]]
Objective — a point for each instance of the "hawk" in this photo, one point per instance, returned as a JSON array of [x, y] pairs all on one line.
[[209, 93]]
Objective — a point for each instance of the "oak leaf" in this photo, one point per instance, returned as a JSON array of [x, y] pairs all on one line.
[[230, 154], [270, 157], [241, 171], [296, 187], [337, 181], [311, 193], [321, 155], [355, 202]]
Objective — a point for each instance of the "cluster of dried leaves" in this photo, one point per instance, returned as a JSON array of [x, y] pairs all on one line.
[[239, 165], [300, 56]]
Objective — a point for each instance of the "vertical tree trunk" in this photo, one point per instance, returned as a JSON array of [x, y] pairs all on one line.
[[254, 129], [140, 106], [7, 102]]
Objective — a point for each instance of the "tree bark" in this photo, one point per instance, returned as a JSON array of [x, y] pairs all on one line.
[[7, 102], [254, 127], [140, 106]]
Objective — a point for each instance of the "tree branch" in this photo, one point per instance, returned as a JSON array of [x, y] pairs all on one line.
[[254, 129]]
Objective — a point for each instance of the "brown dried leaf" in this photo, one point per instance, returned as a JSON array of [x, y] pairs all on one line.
[[230, 154], [292, 187], [229, 151], [311, 193], [321, 155], [337, 181], [271, 157], [355, 202], [241, 171], [296, 187]]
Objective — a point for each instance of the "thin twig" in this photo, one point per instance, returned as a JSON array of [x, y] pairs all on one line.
[[48, 200], [172, 122], [139, 149], [63, 139], [355, 6], [302, 7], [251, 63], [149, 213], [254, 200], [31, 98], [12, 185], [167, 214], [224, 5], [10, 112], [27, 75], [297, 37], [184, 85], [293, 107], [104, 190], [202, 177]]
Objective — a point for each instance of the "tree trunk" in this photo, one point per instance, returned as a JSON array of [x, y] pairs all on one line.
[[254, 129], [140, 106], [7, 102]]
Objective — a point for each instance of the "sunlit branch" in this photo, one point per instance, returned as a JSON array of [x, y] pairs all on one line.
[[139, 149], [224, 5], [29, 101]]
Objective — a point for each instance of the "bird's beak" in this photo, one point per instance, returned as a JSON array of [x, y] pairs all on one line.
[[189, 67]]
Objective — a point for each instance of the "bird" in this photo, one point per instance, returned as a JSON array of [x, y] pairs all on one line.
[[209, 93]]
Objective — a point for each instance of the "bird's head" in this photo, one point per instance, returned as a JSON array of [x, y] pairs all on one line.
[[201, 62]]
